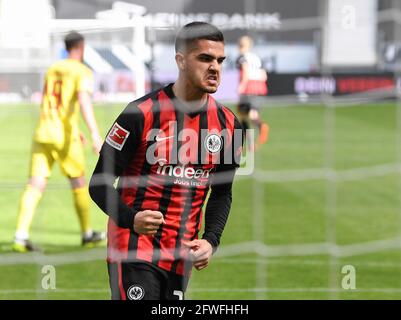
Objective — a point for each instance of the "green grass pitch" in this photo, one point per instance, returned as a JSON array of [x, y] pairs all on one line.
[[274, 213]]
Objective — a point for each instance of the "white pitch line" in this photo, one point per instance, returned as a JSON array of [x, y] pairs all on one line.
[[367, 98], [221, 290], [95, 254], [42, 291], [278, 176], [309, 249], [314, 262], [327, 174], [289, 290], [232, 250]]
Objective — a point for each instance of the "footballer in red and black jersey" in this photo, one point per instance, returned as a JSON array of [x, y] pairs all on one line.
[[167, 159], [251, 88], [256, 76]]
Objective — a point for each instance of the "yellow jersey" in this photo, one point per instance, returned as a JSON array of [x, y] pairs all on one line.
[[59, 111]]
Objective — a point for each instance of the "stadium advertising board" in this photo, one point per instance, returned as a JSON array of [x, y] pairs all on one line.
[[331, 84]]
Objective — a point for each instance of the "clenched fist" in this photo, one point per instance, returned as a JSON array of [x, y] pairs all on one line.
[[200, 253], [147, 222]]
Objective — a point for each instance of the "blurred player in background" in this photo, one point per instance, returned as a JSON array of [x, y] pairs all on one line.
[[156, 213], [57, 138], [252, 85]]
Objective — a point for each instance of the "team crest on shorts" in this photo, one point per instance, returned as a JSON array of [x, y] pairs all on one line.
[[213, 143], [135, 292]]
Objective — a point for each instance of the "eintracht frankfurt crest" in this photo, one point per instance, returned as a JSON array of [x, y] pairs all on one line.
[[135, 292], [213, 143]]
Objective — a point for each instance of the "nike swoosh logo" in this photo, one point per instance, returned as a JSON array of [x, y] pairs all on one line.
[[163, 138]]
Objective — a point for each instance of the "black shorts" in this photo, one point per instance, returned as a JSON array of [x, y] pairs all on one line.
[[144, 281], [247, 103]]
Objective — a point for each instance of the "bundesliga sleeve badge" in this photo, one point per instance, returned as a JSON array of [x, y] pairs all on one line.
[[117, 136]]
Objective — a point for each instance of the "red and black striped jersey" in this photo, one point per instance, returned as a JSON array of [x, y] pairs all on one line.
[[256, 76], [169, 159]]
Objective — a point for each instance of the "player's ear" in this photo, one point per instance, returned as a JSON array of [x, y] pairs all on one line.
[[180, 60]]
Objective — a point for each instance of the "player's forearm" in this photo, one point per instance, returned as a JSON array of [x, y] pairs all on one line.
[[107, 198], [88, 114], [244, 78], [216, 215], [243, 81]]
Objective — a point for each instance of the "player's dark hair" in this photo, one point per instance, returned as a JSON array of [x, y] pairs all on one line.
[[195, 31], [72, 39]]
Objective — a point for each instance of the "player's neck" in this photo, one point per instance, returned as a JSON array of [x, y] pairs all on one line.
[[189, 95], [73, 55]]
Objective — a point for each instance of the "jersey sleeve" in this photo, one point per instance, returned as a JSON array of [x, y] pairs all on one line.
[[231, 157], [119, 148], [85, 81], [240, 61], [124, 136], [219, 203], [237, 142]]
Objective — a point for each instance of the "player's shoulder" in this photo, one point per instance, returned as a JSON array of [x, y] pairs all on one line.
[[241, 59], [77, 67], [56, 66], [253, 56], [85, 69], [82, 69], [221, 107], [226, 112], [71, 66], [145, 104]]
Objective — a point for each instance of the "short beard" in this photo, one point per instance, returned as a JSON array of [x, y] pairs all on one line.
[[207, 90]]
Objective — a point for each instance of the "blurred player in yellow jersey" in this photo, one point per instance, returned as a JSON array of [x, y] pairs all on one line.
[[67, 92]]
